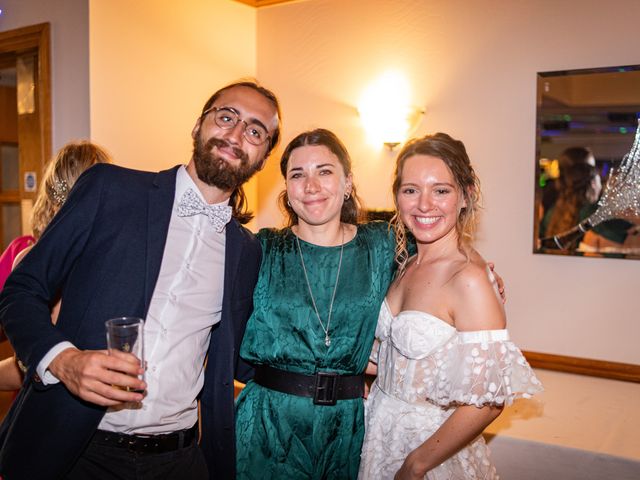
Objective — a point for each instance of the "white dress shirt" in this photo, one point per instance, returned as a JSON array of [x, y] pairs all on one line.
[[186, 303]]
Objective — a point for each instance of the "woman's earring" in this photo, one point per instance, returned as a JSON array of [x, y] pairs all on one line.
[[288, 203]]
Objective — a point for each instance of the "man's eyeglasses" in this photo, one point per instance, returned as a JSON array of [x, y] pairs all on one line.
[[227, 118]]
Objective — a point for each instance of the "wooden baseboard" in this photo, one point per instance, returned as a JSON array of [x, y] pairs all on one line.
[[584, 366]]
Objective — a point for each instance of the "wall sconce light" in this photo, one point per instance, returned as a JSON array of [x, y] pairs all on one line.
[[386, 112]]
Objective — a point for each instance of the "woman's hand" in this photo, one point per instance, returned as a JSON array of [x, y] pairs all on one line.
[[411, 469], [499, 282], [371, 371]]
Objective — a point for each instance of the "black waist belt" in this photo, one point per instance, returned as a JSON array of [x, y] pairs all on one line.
[[146, 444], [326, 388]]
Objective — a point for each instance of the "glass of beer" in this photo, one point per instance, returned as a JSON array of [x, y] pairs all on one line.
[[126, 335]]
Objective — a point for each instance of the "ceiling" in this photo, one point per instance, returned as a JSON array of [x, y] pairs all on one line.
[[263, 3]]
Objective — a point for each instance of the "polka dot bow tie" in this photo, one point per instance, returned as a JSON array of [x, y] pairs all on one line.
[[191, 204]]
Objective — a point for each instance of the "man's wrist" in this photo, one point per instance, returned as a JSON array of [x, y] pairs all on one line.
[[44, 367]]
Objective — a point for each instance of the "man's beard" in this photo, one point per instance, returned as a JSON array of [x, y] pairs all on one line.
[[216, 171]]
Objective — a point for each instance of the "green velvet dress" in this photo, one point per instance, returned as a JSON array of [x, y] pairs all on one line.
[[283, 436]]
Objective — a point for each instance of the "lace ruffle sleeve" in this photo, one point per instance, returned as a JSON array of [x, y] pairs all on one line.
[[481, 368]]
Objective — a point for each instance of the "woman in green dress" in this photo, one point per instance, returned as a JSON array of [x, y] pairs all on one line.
[[321, 284]]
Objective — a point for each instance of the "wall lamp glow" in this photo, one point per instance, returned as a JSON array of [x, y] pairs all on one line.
[[386, 112]]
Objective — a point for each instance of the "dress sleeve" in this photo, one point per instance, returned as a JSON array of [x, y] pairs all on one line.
[[9, 255], [382, 243], [268, 235], [482, 368]]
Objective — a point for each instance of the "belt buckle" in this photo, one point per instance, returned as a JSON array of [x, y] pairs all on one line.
[[325, 392], [132, 444]]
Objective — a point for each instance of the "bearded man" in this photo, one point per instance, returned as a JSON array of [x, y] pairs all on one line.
[[167, 247]]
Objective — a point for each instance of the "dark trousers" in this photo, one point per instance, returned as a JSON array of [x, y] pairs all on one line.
[[102, 462]]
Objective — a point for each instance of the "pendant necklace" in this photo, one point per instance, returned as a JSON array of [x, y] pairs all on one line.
[[327, 338]]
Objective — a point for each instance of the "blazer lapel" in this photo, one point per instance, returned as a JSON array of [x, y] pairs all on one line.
[[161, 197], [233, 250]]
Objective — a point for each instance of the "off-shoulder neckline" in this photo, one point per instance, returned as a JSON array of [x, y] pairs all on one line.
[[433, 317]]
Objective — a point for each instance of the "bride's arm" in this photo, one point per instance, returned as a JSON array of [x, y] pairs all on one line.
[[464, 425], [474, 306]]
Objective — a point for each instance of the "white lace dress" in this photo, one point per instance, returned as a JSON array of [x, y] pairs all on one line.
[[425, 368]]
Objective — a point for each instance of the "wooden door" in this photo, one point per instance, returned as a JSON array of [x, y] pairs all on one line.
[[25, 135], [25, 125]]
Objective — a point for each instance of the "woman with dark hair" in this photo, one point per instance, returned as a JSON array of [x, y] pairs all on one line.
[[321, 283], [446, 365]]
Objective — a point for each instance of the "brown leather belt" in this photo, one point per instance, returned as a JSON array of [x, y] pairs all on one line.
[[147, 444], [326, 388]]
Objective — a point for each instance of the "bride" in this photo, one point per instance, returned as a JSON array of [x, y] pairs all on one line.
[[446, 366]]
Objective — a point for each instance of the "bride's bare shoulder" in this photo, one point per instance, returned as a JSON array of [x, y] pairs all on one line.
[[475, 303]]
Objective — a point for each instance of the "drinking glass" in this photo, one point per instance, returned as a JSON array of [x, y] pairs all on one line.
[[126, 335]]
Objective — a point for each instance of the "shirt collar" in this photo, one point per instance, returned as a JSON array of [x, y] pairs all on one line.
[[185, 182]]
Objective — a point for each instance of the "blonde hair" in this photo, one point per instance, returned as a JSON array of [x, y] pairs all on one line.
[[60, 175], [453, 153]]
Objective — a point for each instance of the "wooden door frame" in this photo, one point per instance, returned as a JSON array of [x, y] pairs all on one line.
[[36, 126], [38, 38], [35, 38]]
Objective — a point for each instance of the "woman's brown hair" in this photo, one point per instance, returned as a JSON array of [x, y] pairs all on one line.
[[351, 209]]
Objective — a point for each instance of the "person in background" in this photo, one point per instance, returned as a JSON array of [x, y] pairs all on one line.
[[446, 365], [167, 247], [60, 175], [568, 158], [579, 188]]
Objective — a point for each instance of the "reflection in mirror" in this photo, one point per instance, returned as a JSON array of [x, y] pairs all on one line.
[[586, 124]]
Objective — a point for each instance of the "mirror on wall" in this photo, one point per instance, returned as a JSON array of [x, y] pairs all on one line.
[[586, 123]]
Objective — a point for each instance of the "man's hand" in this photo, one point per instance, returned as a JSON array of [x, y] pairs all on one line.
[[95, 375]]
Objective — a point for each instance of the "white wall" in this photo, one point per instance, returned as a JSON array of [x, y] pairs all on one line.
[[69, 21], [473, 67], [154, 63]]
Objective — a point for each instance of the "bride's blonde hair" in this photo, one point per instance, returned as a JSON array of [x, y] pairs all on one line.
[[60, 175]]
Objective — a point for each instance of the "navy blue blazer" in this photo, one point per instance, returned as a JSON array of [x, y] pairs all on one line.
[[102, 253]]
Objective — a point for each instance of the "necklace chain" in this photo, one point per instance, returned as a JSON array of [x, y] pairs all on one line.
[[327, 337]]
